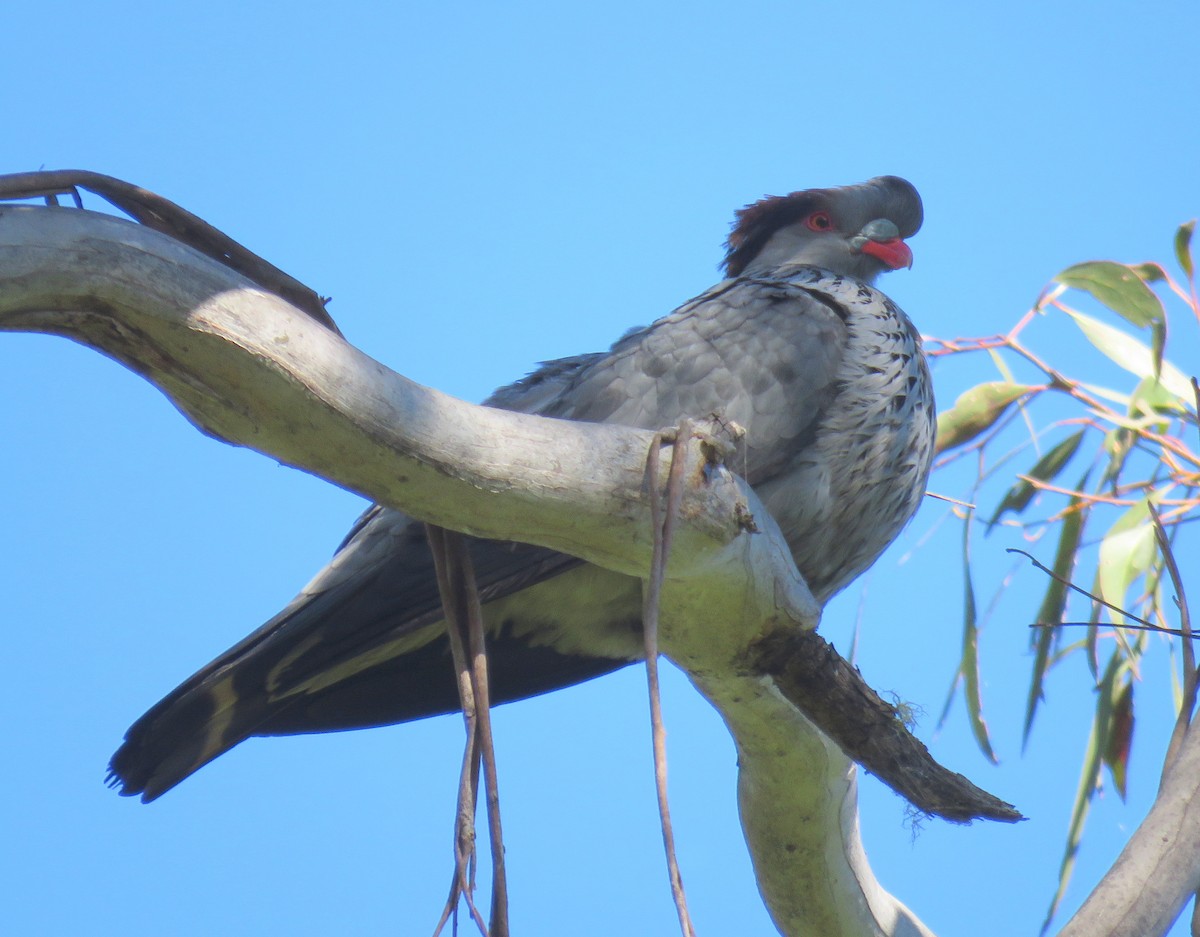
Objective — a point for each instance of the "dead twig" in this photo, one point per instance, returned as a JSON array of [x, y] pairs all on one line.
[[1142, 623], [165, 216], [483, 726], [456, 587], [663, 524], [949, 500]]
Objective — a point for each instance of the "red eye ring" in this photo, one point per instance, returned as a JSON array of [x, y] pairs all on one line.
[[819, 221]]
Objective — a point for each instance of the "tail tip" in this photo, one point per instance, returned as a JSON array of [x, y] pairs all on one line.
[[123, 781]]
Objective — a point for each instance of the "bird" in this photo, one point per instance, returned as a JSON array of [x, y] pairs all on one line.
[[824, 373]]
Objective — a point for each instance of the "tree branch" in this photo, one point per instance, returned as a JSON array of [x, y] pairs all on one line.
[[813, 676], [176, 222], [246, 367], [1142, 894]]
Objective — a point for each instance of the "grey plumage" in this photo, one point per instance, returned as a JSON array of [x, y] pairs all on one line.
[[824, 372]]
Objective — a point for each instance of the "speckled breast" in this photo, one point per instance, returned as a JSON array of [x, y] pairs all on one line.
[[866, 472]]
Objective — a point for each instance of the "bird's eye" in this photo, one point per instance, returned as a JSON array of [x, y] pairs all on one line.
[[819, 221]]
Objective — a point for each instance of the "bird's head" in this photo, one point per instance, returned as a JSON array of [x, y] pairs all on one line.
[[856, 230]]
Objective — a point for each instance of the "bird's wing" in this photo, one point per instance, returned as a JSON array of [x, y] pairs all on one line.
[[762, 352], [362, 644]]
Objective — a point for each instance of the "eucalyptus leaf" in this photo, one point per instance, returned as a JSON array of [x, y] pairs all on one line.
[[1089, 779], [1119, 287], [1149, 272], [1118, 443], [1151, 398], [1126, 552], [1091, 642], [1017, 498], [1054, 603], [1183, 247], [1001, 365], [1106, 393], [976, 410], [1130, 354], [969, 664], [1120, 734]]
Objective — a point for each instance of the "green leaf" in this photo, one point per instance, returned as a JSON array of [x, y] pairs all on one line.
[[1158, 346], [1130, 354], [1120, 734], [1091, 642], [1017, 498], [1183, 247], [1149, 272], [1176, 686], [976, 410], [968, 667], [1001, 365], [1054, 605], [1119, 287], [1089, 779], [1126, 552], [1118, 443], [1151, 398], [1106, 393]]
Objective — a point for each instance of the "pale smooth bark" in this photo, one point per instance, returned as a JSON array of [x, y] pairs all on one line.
[[1159, 868], [246, 367]]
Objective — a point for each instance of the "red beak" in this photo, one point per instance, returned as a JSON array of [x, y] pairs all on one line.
[[895, 253]]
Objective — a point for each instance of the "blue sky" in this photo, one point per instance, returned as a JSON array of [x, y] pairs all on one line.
[[480, 187]]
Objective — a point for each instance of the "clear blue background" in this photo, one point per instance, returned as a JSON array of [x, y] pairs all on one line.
[[480, 187]]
